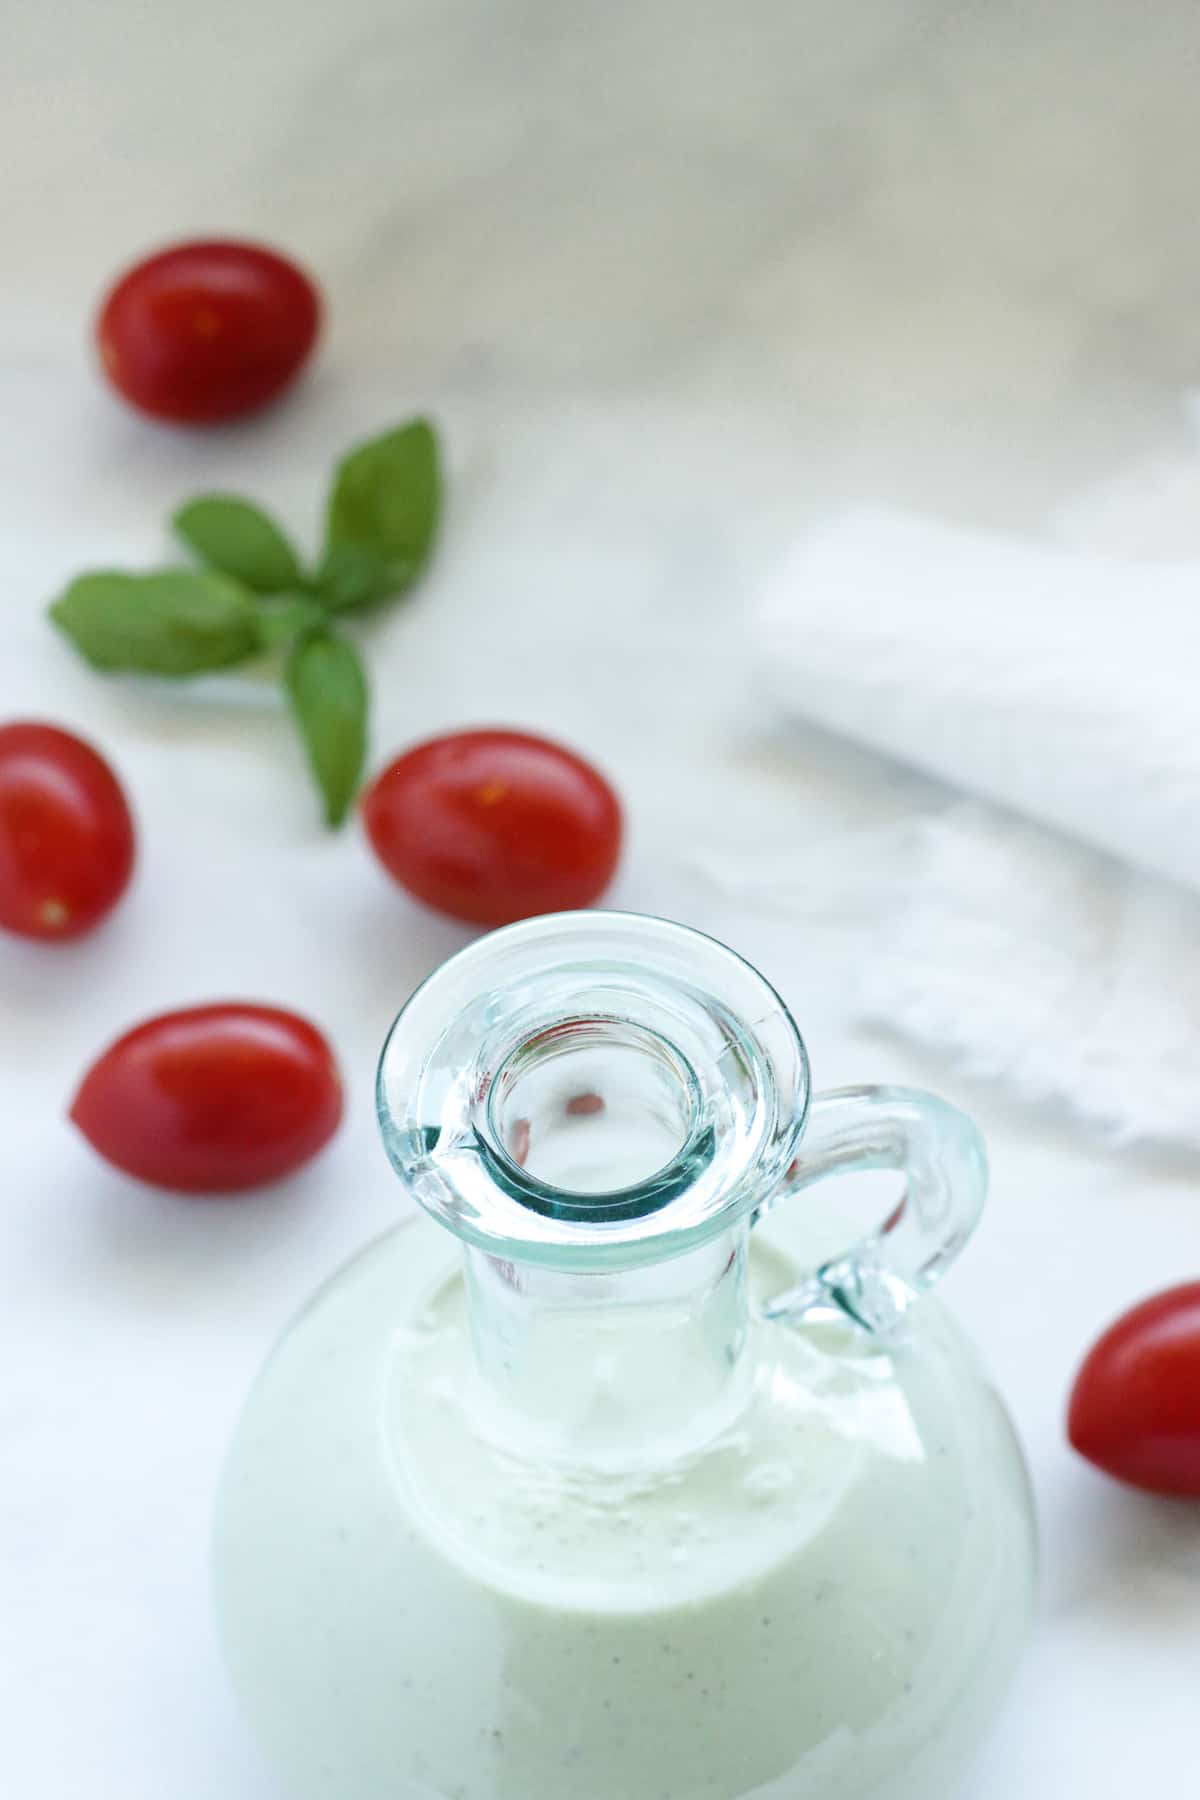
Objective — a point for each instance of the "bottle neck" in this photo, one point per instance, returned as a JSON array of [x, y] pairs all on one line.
[[616, 1369]]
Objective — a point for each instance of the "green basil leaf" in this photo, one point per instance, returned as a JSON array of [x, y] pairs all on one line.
[[175, 622], [238, 539], [382, 516], [354, 575], [283, 617], [328, 693]]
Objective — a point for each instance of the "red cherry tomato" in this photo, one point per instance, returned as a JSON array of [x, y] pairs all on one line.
[[66, 837], [492, 826], [207, 331], [212, 1099], [1135, 1408]]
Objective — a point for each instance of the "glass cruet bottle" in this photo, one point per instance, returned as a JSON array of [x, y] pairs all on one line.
[[614, 1487]]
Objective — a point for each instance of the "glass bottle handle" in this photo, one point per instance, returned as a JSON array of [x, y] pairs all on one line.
[[940, 1154]]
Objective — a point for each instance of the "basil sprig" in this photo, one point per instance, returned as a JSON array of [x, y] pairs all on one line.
[[253, 594]]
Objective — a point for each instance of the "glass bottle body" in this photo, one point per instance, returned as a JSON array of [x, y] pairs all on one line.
[[825, 1598], [564, 1527]]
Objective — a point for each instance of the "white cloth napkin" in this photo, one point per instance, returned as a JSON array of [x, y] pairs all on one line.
[[1064, 685], [1067, 687]]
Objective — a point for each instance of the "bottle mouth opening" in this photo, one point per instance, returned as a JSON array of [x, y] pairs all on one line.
[[592, 1089], [597, 1117]]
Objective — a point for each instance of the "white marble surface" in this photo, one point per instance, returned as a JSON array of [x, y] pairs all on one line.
[[675, 279]]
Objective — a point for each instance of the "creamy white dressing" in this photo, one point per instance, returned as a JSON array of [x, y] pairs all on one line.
[[820, 1602]]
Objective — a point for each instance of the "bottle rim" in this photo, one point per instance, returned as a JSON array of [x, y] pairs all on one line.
[[709, 1030]]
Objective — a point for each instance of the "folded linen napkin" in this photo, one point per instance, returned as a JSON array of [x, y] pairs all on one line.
[[1065, 686], [1062, 684]]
